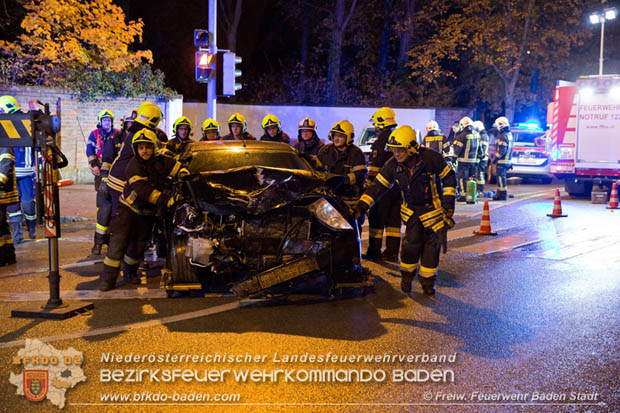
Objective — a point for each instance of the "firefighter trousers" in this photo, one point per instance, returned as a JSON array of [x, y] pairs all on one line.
[[129, 234], [104, 214], [464, 171], [384, 214], [7, 250], [423, 246]]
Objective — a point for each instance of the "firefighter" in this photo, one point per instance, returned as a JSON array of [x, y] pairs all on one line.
[[273, 130], [111, 148], [8, 196], [238, 128], [465, 149], [503, 157], [384, 214], [344, 158], [435, 140], [427, 185], [96, 141], [308, 141], [181, 138], [25, 164], [483, 156], [148, 116], [143, 195], [210, 130]]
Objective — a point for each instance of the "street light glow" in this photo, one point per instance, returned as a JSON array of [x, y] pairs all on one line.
[[595, 19], [610, 14]]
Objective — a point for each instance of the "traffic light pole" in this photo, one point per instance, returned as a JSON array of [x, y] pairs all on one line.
[[211, 86]]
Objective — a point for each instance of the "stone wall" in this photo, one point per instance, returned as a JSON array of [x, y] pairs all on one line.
[[75, 114]]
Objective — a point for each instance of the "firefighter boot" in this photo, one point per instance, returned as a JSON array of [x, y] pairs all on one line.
[[373, 253], [16, 231], [32, 228], [130, 273], [500, 196], [405, 281], [98, 244], [108, 278], [428, 284]]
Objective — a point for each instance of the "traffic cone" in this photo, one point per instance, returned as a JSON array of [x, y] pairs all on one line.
[[557, 206], [485, 222], [613, 199]]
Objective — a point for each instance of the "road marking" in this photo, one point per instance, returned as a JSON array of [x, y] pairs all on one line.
[[500, 244], [131, 326], [500, 204], [84, 295]]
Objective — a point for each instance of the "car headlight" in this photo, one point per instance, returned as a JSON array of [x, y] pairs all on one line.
[[328, 215]]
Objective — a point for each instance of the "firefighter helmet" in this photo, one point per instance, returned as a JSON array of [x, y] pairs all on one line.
[[210, 124], [149, 115], [129, 118], [307, 124], [383, 118], [238, 119], [465, 122], [432, 125], [183, 120], [404, 137], [144, 136], [271, 120], [345, 127], [105, 114], [8, 104], [479, 126], [501, 122]]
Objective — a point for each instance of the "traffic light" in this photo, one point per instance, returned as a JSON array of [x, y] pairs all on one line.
[[202, 38], [205, 66], [227, 61]]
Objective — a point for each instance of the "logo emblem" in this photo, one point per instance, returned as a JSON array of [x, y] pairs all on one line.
[[35, 384]]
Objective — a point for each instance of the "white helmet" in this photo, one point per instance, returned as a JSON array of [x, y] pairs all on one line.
[[432, 125], [465, 122], [501, 122], [479, 126]]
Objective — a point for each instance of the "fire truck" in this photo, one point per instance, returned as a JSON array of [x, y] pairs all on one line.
[[585, 133]]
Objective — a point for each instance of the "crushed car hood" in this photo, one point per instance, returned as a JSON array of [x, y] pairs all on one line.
[[256, 189]]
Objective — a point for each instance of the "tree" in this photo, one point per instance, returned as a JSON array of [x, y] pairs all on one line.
[[500, 38], [64, 36], [230, 11], [339, 20]]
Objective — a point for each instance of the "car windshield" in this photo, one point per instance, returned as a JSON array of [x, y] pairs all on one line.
[[368, 136], [217, 160], [527, 138]]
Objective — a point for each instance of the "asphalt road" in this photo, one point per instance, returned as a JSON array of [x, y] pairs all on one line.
[[526, 321]]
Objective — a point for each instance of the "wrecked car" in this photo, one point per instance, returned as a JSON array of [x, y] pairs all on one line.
[[253, 218]]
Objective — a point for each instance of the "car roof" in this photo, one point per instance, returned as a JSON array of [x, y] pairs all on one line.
[[250, 145]]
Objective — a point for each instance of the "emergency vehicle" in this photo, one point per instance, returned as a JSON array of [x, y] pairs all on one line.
[[585, 133]]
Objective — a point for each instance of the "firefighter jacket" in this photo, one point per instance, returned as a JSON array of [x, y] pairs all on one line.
[[378, 153], [437, 142], [503, 154], [94, 147], [349, 162], [310, 147], [25, 163], [147, 180], [427, 185], [246, 136], [117, 175], [280, 137], [175, 147], [465, 145], [111, 148], [8, 183], [483, 148]]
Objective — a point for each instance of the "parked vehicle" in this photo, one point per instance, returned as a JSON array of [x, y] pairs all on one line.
[[254, 218], [530, 154]]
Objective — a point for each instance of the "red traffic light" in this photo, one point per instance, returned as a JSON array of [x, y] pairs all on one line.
[[205, 66]]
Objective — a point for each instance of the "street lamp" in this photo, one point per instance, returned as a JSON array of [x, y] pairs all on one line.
[[600, 17]]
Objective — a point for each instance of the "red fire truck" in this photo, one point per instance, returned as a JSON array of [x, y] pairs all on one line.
[[585, 133]]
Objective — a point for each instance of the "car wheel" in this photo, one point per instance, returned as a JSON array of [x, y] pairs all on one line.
[[182, 270]]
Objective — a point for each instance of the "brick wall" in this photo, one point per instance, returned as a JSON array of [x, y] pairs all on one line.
[[445, 117], [75, 114]]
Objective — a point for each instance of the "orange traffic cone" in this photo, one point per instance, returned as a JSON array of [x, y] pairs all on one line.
[[557, 206], [485, 222], [613, 199]]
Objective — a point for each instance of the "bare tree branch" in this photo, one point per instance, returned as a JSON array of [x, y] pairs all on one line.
[[346, 20]]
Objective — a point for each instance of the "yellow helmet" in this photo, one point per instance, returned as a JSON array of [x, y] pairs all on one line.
[[465, 122], [404, 137], [149, 115], [210, 124], [383, 118], [271, 120], [239, 119], [183, 120], [8, 104], [105, 114], [501, 122], [144, 136], [344, 126], [432, 125]]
